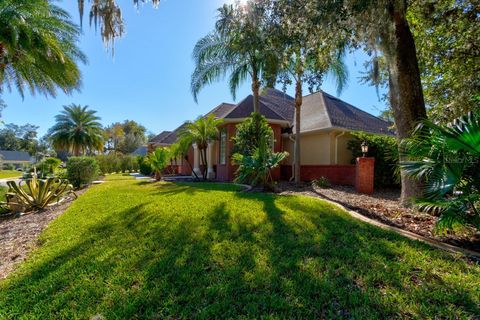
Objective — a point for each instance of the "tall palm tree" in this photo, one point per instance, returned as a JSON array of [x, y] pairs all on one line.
[[108, 15], [236, 47], [77, 130], [38, 50], [201, 132]]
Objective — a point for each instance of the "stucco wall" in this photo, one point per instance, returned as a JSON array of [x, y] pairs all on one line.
[[319, 149]]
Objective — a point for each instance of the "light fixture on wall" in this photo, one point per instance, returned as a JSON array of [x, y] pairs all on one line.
[[364, 146]]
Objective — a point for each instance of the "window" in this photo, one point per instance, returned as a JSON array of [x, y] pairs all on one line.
[[223, 146]]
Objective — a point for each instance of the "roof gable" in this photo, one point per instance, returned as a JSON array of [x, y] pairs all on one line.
[[274, 105], [321, 110]]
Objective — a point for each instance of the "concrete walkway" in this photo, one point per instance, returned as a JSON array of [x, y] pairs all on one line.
[[3, 182]]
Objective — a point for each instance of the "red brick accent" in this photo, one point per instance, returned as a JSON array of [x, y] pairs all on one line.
[[364, 175], [336, 174]]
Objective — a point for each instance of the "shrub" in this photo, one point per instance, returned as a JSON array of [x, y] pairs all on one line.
[[82, 170], [321, 182], [109, 163], [48, 166], [254, 155], [144, 166], [8, 166], [385, 151]]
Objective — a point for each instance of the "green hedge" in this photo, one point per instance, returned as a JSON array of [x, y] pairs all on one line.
[[110, 163], [385, 151], [144, 166], [82, 170]]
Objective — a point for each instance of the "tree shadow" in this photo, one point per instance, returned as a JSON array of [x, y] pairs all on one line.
[[286, 257]]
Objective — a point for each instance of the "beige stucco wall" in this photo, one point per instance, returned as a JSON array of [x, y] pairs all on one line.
[[319, 148]]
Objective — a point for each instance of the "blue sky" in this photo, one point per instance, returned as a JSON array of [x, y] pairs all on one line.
[[148, 80]]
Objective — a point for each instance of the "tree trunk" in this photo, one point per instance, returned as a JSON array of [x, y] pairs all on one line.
[[406, 94], [256, 94], [298, 106]]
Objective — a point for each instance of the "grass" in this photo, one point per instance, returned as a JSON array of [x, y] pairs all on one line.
[[130, 249], [4, 174]]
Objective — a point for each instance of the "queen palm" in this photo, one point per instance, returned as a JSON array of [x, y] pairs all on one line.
[[38, 49], [77, 130], [201, 132], [236, 47]]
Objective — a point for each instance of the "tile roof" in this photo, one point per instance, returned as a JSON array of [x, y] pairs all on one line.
[[7, 155], [319, 111], [274, 105], [158, 138], [322, 111], [140, 151]]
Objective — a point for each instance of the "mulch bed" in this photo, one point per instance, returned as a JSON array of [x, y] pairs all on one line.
[[384, 206], [18, 234]]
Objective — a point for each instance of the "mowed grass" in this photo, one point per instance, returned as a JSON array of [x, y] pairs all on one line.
[[4, 174], [130, 249]]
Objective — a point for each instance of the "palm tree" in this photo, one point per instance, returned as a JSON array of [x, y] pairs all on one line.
[[77, 130], [158, 161], [108, 15], [38, 49], [236, 47], [445, 159], [201, 132]]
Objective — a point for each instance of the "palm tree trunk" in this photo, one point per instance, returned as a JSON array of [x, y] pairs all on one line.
[[256, 93], [406, 95], [298, 106], [191, 167]]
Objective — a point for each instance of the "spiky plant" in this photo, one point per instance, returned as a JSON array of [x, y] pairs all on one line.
[[77, 130], [38, 51], [446, 159]]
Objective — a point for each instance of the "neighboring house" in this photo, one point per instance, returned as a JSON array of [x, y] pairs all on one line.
[[325, 131], [140, 151], [16, 158]]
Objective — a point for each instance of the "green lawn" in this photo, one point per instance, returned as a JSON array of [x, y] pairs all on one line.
[[128, 249], [10, 174]]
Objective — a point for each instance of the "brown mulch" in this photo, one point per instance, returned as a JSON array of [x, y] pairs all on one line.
[[384, 206], [18, 234]]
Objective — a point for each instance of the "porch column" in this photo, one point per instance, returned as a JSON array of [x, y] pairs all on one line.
[[196, 160], [210, 172]]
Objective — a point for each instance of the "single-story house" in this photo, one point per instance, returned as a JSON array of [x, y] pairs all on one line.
[[326, 126], [140, 151], [17, 158]]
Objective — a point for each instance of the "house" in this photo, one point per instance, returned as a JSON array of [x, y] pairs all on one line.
[[19, 159], [326, 126], [140, 151]]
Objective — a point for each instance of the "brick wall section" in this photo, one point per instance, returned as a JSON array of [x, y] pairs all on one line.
[[364, 175], [336, 174]]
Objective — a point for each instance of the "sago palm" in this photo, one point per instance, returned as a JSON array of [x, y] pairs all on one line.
[[158, 161], [201, 132], [237, 47], [77, 130], [38, 50], [446, 159]]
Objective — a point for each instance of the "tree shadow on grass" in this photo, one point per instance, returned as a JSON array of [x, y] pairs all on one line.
[[294, 258]]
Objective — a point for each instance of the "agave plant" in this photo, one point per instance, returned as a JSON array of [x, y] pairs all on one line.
[[36, 193], [446, 159]]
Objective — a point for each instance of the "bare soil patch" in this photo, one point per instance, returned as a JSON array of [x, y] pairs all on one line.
[[18, 234], [384, 206]]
